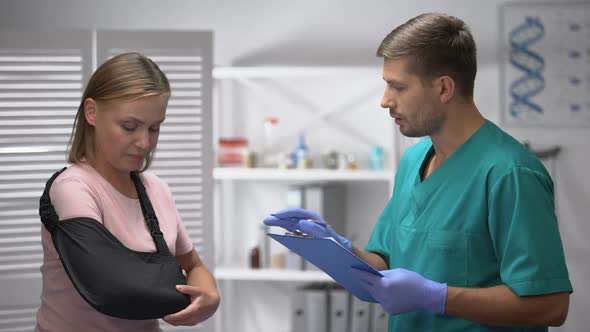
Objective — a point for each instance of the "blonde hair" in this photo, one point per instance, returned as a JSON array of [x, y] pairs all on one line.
[[436, 44], [126, 76]]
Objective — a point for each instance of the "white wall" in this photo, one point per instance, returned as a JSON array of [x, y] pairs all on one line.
[[332, 32]]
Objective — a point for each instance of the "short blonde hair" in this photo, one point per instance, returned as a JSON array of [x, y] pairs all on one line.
[[126, 76]]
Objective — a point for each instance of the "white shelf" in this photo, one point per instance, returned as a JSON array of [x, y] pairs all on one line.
[[223, 273], [307, 175]]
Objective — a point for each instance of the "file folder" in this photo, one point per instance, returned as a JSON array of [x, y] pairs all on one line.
[[338, 309], [298, 312], [359, 315], [309, 310], [316, 303], [379, 318], [332, 258]]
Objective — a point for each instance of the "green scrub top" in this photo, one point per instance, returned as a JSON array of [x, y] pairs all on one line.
[[485, 217]]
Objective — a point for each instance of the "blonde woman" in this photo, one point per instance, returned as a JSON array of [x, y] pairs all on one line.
[[115, 134]]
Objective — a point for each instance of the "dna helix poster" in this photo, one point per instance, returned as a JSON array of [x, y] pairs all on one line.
[[545, 58]]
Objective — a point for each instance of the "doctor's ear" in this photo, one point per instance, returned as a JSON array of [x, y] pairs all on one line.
[[446, 88], [90, 111]]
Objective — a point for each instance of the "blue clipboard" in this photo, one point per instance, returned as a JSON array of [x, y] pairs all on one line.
[[332, 258]]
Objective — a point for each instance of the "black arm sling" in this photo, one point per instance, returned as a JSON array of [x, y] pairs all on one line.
[[112, 278]]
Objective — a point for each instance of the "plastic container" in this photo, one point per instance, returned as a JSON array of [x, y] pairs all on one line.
[[232, 151], [376, 158], [301, 154]]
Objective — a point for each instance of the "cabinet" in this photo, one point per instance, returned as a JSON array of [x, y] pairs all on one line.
[[337, 108]]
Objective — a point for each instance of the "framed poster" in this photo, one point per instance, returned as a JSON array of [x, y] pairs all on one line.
[[545, 59]]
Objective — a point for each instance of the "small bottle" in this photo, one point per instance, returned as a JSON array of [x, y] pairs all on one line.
[[376, 161], [248, 158], [351, 162], [301, 154], [255, 258]]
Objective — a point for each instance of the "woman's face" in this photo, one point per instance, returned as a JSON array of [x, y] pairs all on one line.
[[125, 131]]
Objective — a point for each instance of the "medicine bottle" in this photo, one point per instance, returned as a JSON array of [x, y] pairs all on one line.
[[376, 158], [255, 258], [301, 154]]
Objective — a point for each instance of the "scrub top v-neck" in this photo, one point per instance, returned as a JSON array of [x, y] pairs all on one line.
[[469, 224]]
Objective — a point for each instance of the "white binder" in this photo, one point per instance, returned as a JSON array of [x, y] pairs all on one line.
[[338, 305], [316, 309], [379, 318], [298, 311], [360, 314]]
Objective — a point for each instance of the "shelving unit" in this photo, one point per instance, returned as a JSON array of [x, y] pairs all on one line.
[[244, 196]]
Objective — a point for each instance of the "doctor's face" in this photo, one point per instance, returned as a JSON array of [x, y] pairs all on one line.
[[125, 132], [412, 103]]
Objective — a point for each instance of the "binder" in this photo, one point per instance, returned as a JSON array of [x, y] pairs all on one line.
[[333, 259], [309, 309], [338, 309], [379, 318], [316, 306], [360, 314], [298, 311]]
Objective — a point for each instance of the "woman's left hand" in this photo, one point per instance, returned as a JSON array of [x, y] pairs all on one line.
[[204, 303]]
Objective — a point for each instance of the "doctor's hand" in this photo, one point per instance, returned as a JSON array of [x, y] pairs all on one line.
[[307, 222], [401, 290]]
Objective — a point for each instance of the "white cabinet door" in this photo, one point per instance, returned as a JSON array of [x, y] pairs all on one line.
[[41, 80]]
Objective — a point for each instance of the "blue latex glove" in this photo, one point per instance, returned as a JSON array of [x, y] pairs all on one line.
[[307, 222], [401, 290]]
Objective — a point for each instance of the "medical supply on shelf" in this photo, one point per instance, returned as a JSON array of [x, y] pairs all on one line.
[[255, 258], [376, 158], [347, 161], [248, 158], [285, 161], [330, 159], [351, 162], [232, 151], [260, 252], [301, 154]]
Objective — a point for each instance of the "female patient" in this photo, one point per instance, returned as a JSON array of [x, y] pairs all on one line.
[[115, 133]]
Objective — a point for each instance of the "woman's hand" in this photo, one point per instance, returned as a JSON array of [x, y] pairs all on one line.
[[204, 303], [200, 287]]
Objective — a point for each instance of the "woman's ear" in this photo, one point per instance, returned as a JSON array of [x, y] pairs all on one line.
[[90, 111]]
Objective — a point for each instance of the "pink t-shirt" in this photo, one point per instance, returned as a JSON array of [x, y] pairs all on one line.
[[81, 192]]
